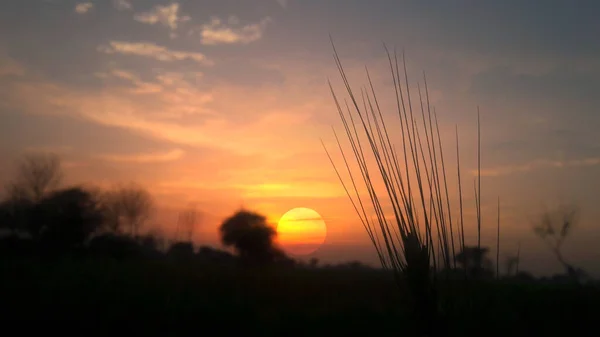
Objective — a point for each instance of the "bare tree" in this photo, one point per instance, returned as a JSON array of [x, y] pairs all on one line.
[[37, 175], [187, 222], [128, 207], [553, 228]]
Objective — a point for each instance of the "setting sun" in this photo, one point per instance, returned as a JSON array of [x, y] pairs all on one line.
[[301, 231]]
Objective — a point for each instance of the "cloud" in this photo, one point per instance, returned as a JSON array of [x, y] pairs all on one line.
[[84, 7], [173, 94], [151, 50], [140, 87], [311, 189], [537, 165], [144, 158], [168, 16], [216, 32], [283, 3], [122, 5], [231, 130]]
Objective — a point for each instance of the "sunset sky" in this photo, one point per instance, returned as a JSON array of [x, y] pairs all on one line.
[[223, 103]]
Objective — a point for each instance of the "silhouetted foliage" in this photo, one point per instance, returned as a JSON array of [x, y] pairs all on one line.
[[210, 255], [186, 223], [251, 237], [36, 176], [61, 220], [114, 246], [475, 261], [128, 207], [149, 242], [15, 214], [68, 218], [553, 228], [181, 251]]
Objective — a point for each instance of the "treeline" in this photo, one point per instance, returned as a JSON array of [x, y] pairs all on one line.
[[37, 212], [41, 217]]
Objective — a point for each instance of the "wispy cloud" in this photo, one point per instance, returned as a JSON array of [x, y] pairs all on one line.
[[175, 93], [84, 7], [218, 32], [122, 5], [283, 3], [168, 16], [151, 116], [151, 50], [312, 189], [144, 158], [140, 87], [537, 165]]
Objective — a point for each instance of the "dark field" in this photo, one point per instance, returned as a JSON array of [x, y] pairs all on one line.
[[178, 298]]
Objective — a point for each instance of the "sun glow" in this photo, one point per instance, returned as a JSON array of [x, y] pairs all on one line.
[[301, 231]]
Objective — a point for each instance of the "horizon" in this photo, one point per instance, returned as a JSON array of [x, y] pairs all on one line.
[[223, 104]]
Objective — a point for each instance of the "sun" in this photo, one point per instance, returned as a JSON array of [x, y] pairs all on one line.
[[301, 231]]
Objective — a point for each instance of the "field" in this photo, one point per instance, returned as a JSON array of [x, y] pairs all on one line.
[[160, 297]]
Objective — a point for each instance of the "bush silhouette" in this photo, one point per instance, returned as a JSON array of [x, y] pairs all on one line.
[[68, 218], [181, 251]]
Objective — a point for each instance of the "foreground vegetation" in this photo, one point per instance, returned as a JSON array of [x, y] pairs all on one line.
[[170, 296]]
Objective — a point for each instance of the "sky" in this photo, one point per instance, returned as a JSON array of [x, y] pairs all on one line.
[[223, 104]]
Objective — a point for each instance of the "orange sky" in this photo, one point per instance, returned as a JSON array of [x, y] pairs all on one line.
[[223, 103]]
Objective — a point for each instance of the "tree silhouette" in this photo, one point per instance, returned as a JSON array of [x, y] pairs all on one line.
[[553, 228], [37, 175], [475, 261], [251, 237], [127, 208], [15, 214], [186, 224], [67, 218]]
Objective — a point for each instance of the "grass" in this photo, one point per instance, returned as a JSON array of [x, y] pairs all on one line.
[[419, 241]]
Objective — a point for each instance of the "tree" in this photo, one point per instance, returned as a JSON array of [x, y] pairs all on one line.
[[553, 228], [128, 207], [186, 224], [67, 218], [251, 237], [37, 175], [475, 261], [14, 214]]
